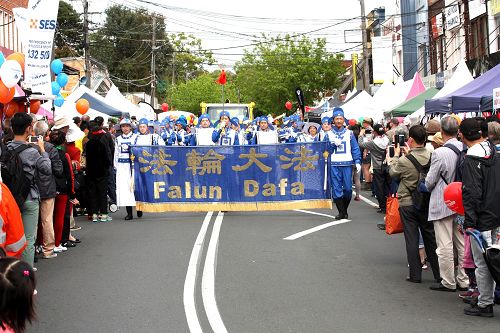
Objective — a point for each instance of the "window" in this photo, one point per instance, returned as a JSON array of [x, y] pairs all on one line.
[[479, 37]]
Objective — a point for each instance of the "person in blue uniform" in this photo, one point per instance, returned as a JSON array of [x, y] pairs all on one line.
[[344, 154], [223, 134]]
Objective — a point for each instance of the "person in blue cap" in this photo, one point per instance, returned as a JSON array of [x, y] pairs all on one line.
[[203, 134], [145, 137], [326, 127], [123, 164], [179, 135], [344, 153], [240, 133], [265, 134], [166, 131], [223, 135]]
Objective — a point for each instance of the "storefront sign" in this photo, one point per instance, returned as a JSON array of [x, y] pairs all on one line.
[[452, 15], [496, 98], [437, 25], [494, 7], [476, 8]]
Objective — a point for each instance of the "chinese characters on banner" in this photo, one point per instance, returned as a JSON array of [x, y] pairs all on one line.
[[238, 178], [41, 24]]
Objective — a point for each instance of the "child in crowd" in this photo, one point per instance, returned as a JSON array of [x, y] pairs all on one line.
[[17, 291]]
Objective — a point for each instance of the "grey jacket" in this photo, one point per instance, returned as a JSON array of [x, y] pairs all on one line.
[[405, 171], [443, 163], [47, 183], [34, 163], [376, 147]]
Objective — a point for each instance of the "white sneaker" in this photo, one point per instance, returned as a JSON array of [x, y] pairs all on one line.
[[60, 248], [50, 256]]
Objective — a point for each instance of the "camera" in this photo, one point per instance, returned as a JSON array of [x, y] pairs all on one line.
[[32, 139], [368, 131]]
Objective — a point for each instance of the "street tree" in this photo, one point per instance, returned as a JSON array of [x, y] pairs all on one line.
[[269, 73], [68, 38]]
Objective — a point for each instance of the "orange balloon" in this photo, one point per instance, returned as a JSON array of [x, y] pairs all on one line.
[[82, 106], [6, 94], [19, 57], [35, 106], [10, 109]]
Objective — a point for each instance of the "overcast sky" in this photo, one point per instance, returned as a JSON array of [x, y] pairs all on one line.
[[225, 23]]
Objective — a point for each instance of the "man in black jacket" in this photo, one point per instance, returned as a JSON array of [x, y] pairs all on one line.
[[98, 164], [481, 190]]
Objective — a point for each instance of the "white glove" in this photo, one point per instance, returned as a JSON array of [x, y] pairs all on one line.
[[337, 142], [358, 167]]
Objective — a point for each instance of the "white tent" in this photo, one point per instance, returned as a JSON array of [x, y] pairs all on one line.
[[115, 98], [358, 106], [383, 99], [460, 78]]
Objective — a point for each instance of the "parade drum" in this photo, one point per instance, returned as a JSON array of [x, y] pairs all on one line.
[[204, 136], [264, 138]]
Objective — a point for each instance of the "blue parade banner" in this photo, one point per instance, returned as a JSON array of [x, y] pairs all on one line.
[[231, 178]]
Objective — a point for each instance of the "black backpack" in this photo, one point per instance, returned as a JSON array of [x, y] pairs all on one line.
[[420, 199], [460, 162], [13, 174]]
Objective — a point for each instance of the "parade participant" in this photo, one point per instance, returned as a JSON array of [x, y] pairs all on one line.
[[223, 135], [166, 131], [326, 127], [17, 292], [240, 133], [309, 133], [179, 135], [203, 134], [145, 138], [288, 134], [124, 189], [344, 154], [264, 134]]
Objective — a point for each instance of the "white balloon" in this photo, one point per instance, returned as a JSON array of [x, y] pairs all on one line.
[[10, 73]]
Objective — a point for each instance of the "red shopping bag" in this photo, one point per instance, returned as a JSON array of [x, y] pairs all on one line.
[[393, 223]]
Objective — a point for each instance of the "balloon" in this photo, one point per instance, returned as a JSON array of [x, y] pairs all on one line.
[[2, 58], [164, 107], [62, 79], [288, 105], [352, 122], [6, 94], [453, 197], [56, 66], [82, 106], [19, 57], [59, 101], [10, 73], [56, 88], [10, 109], [35, 106]]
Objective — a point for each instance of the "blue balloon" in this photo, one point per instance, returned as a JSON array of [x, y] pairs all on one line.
[[59, 101], [2, 58], [62, 79], [56, 88], [57, 66]]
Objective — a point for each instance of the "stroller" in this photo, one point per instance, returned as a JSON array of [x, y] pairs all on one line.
[[491, 254]]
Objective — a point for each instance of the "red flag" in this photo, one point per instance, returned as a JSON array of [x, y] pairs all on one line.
[[222, 78]]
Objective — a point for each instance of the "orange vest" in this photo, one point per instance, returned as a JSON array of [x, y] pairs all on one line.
[[12, 237]]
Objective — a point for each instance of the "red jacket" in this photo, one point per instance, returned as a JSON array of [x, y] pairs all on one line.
[[74, 154], [12, 237]]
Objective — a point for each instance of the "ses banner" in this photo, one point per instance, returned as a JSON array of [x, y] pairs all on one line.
[[41, 25], [231, 178]]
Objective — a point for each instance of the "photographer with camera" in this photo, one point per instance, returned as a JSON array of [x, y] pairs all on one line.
[[376, 144]]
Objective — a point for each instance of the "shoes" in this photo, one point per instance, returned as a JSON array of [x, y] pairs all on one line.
[[409, 279], [462, 288], [95, 218], [381, 226], [106, 218], [75, 228], [75, 240], [60, 248], [69, 244], [475, 310], [469, 293], [34, 270], [440, 287], [139, 213], [128, 217], [50, 256], [357, 198]]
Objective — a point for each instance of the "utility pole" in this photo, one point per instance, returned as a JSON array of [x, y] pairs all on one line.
[[153, 65], [366, 70], [86, 42], [173, 68]]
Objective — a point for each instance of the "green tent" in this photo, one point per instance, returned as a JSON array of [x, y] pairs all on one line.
[[412, 105]]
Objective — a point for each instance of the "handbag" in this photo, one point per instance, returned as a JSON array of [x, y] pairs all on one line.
[[393, 224]]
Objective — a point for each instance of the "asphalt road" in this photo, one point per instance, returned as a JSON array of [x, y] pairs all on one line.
[[135, 276]]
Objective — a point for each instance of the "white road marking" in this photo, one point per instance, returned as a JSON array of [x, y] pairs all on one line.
[[208, 280], [317, 228], [190, 283], [368, 201], [314, 213]]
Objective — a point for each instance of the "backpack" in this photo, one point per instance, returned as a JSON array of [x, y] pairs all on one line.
[[13, 174], [460, 162], [420, 198]]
